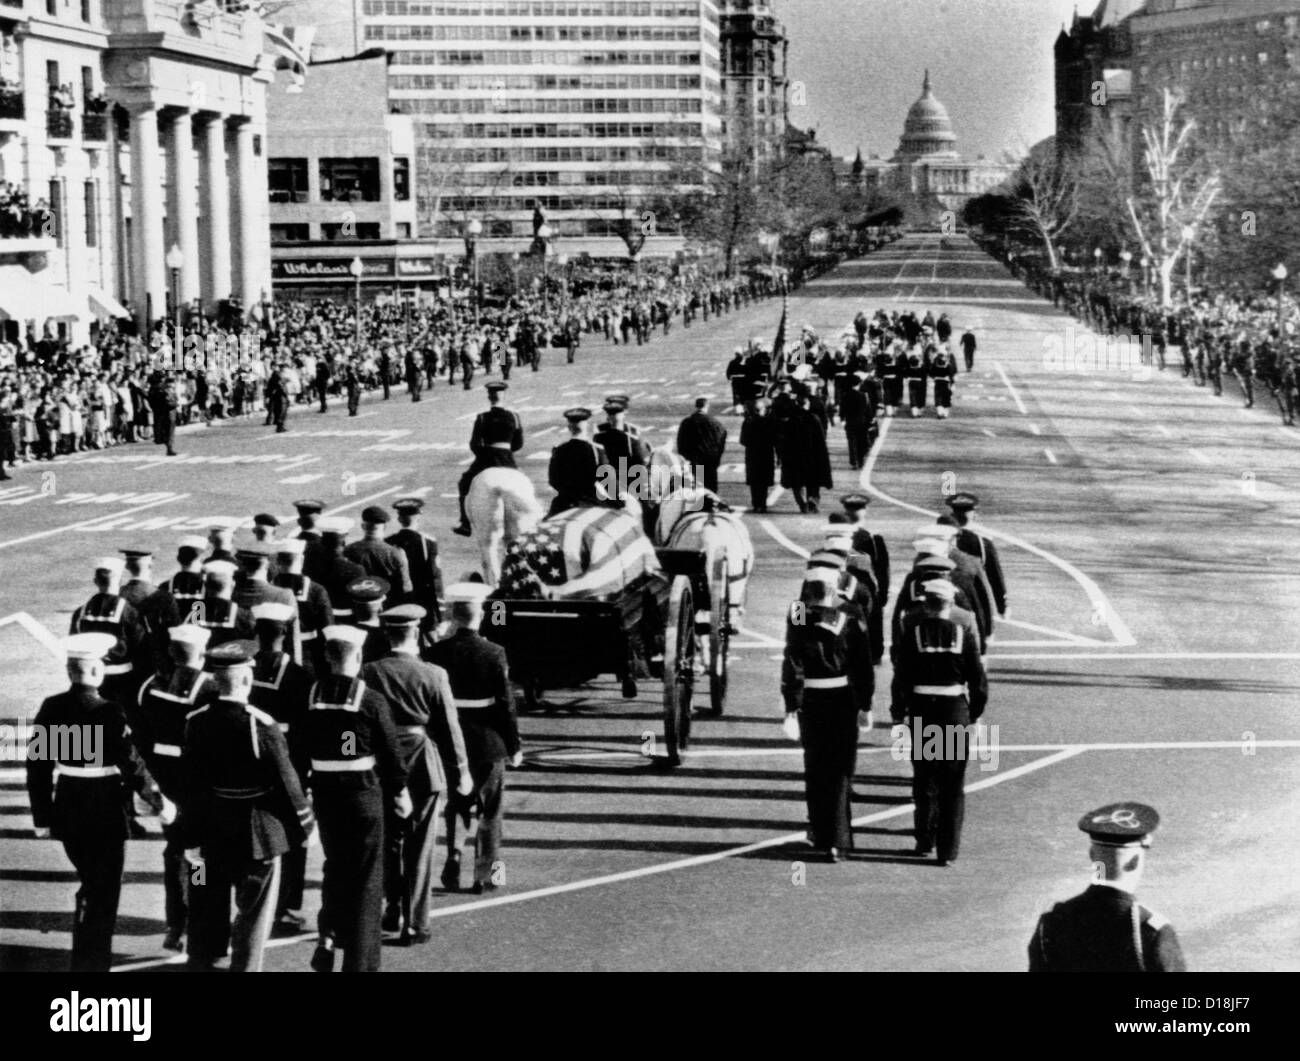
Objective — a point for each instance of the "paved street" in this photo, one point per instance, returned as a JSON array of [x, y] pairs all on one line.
[[1151, 653]]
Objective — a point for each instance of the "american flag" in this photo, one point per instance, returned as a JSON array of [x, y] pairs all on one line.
[[589, 552]]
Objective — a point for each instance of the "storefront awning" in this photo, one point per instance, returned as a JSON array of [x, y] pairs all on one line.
[[103, 304], [25, 298]]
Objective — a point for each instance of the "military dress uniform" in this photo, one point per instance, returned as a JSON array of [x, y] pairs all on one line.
[[421, 551], [943, 371], [889, 370], [497, 435], [1105, 929], [314, 614], [86, 809], [127, 663], [939, 681], [381, 560], [356, 770], [431, 748], [574, 469], [827, 679], [623, 448], [981, 548], [158, 730], [479, 675], [243, 809], [917, 370]]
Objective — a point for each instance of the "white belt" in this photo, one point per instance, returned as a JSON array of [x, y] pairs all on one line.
[[487, 702], [498, 445], [939, 690], [117, 668], [826, 683], [171, 750], [341, 766], [306, 635], [87, 771]]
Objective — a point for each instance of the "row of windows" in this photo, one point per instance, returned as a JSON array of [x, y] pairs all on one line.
[[542, 9], [480, 32], [1198, 35], [477, 205], [548, 106], [559, 58], [342, 180], [564, 178], [584, 153], [542, 82], [559, 130], [565, 228]]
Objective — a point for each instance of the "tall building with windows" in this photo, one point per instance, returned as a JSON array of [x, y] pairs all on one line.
[[584, 110], [1093, 75], [756, 103]]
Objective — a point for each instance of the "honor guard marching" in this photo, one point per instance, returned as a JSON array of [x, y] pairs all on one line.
[[243, 809], [216, 611], [220, 543], [889, 370], [107, 612], [137, 573], [575, 466], [81, 738], [314, 610], [855, 410], [480, 683], [977, 545], [827, 683], [916, 369], [865, 593], [187, 584], [943, 371], [1105, 929], [309, 514], [368, 596], [167, 699], [498, 434], [253, 587], [867, 544], [376, 556], [326, 564], [281, 688], [939, 685], [356, 772], [623, 448], [421, 552], [418, 698], [973, 593]]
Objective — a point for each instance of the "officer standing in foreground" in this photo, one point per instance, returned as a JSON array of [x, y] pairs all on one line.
[[977, 545], [158, 730], [575, 466], [421, 551], [356, 773], [418, 698], [939, 681], [498, 434], [827, 683], [243, 809], [86, 812], [1105, 929], [480, 682]]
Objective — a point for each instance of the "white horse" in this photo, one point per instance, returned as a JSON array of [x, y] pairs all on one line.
[[501, 505]]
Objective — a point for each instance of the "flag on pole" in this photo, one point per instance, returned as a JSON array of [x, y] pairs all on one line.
[[291, 46], [778, 346]]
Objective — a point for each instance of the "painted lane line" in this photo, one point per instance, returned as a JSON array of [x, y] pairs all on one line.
[[1034, 429], [88, 524], [1015, 394], [362, 501], [1051, 457], [1199, 456], [1062, 635], [991, 434], [544, 431], [1164, 430], [782, 540], [1101, 605], [42, 633], [295, 464], [478, 906], [1152, 655]]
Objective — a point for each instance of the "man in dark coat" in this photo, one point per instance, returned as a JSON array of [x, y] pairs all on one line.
[[701, 439], [758, 437], [163, 404], [805, 460]]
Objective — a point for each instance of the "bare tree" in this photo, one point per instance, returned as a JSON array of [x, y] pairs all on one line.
[[1167, 212], [1044, 198]]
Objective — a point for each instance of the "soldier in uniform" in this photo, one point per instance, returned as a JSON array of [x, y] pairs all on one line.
[[356, 772], [108, 613], [277, 398], [758, 439], [575, 466], [702, 439], [243, 809], [939, 685], [352, 384], [281, 688], [1105, 929], [327, 565], [368, 596], [889, 369], [85, 812], [421, 552], [171, 602], [313, 603], [414, 373], [865, 543], [479, 676], [497, 436], [624, 450], [827, 683], [943, 370], [309, 514], [375, 555], [217, 611], [839, 539], [419, 700], [264, 528], [221, 543], [978, 546], [167, 699], [136, 586], [253, 586], [855, 411], [738, 377], [917, 369], [163, 404]]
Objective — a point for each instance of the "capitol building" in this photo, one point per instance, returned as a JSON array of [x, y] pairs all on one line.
[[927, 173]]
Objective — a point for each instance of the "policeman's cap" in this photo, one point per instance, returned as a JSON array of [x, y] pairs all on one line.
[[577, 415], [1124, 824], [272, 612], [962, 502], [408, 506], [496, 386], [309, 507], [231, 654], [375, 515], [369, 589], [88, 646], [136, 553], [403, 615], [265, 519], [855, 502]]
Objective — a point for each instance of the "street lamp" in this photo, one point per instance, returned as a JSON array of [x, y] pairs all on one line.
[[472, 232], [514, 268], [1280, 274], [175, 259], [1097, 256], [1146, 277], [1189, 234], [355, 268], [544, 234], [1126, 256]]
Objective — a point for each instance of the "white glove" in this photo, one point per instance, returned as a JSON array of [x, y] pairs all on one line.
[[41, 834], [168, 813], [402, 805], [465, 785], [313, 838], [193, 857], [790, 724], [865, 720], [517, 760]]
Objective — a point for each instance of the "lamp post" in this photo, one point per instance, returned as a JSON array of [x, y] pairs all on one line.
[[355, 268], [472, 232], [1280, 274], [544, 234], [514, 269], [175, 259], [1096, 257], [1126, 256], [1189, 234], [1146, 277]]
